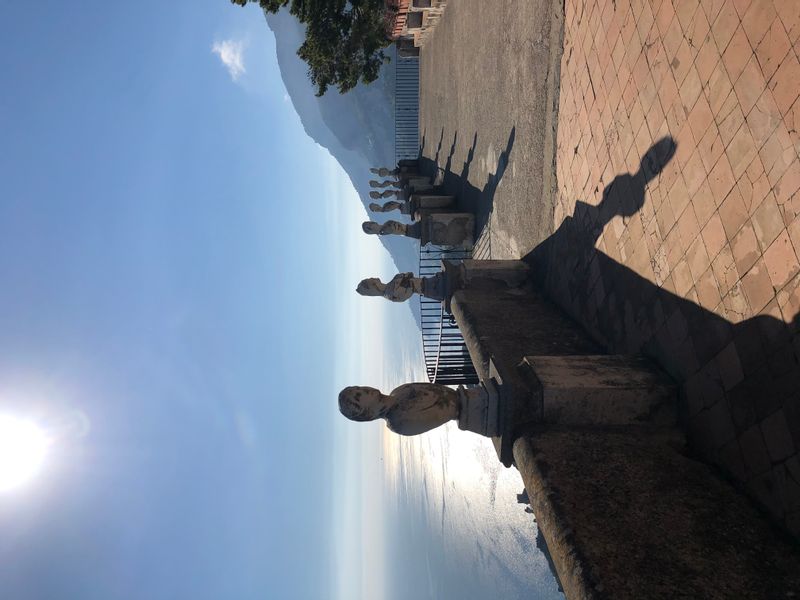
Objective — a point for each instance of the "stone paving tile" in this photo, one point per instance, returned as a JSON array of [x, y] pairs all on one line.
[[698, 264]]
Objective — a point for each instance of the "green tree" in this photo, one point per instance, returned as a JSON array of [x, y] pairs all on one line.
[[344, 39]]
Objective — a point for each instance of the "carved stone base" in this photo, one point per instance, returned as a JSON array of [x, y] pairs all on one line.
[[602, 390], [417, 181], [480, 409], [420, 185], [433, 201], [455, 230], [508, 273], [426, 203]]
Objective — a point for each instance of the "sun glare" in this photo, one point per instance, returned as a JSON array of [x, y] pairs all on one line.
[[23, 446]]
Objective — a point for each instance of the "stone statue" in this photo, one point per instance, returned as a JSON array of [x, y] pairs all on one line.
[[392, 228], [410, 409], [415, 408], [387, 206], [385, 183], [386, 194], [404, 285], [384, 172], [406, 207]]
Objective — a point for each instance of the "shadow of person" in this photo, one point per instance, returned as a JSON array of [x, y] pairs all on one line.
[[735, 378], [623, 197]]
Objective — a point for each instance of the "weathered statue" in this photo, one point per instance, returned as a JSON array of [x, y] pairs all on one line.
[[392, 228], [409, 203], [386, 206], [404, 285], [403, 207], [385, 183], [387, 194], [384, 172], [410, 409], [415, 408]]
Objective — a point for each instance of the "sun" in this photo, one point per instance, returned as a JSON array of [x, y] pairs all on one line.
[[23, 447]]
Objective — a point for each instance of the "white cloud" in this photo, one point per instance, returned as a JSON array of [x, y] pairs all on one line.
[[231, 53]]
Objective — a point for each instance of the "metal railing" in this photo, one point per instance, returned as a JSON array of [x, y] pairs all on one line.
[[406, 108], [447, 360]]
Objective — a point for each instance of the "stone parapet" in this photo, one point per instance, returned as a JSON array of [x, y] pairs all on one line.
[[506, 326], [626, 515], [602, 390]]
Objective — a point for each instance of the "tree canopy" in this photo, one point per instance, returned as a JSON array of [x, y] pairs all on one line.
[[344, 39]]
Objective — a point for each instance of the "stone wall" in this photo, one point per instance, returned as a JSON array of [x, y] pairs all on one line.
[[626, 515], [506, 326], [625, 512]]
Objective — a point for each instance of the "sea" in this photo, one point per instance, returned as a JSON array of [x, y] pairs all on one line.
[[462, 532]]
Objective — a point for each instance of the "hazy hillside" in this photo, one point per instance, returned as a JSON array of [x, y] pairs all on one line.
[[357, 128]]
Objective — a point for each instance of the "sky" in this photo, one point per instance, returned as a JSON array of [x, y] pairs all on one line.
[[178, 263]]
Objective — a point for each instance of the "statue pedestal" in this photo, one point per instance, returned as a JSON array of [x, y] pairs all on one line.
[[422, 186], [601, 390], [408, 163], [430, 201], [417, 182], [550, 373], [480, 409], [484, 275], [409, 172], [594, 392], [455, 230], [424, 204], [505, 273]]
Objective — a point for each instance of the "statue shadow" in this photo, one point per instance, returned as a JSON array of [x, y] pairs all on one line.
[[733, 378], [448, 163], [438, 149], [469, 197]]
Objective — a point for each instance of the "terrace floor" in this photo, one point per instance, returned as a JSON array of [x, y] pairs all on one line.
[[691, 257]]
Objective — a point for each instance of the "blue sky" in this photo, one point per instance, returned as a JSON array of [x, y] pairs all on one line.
[[177, 310], [178, 262]]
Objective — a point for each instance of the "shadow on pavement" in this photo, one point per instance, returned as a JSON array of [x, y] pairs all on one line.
[[479, 201], [739, 382], [449, 160]]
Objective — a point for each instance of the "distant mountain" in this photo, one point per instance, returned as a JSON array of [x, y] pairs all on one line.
[[357, 128]]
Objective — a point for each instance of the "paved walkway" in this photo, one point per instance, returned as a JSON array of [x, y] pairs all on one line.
[[489, 93], [676, 220], [716, 239]]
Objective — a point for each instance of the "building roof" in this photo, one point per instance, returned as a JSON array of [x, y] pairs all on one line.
[[396, 15]]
